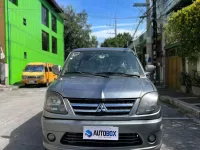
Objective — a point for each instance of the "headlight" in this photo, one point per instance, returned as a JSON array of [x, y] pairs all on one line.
[[55, 104], [149, 104], [24, 77]]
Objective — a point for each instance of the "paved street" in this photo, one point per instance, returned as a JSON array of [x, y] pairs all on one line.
[[20, 128]]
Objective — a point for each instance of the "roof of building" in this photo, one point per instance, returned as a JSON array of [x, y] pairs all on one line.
[[102, 49], [56, 6]]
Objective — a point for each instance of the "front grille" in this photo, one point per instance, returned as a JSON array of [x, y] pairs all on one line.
[[31, 77], [125, 139], [99, 107]]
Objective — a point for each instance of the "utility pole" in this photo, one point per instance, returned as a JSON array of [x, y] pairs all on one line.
[[148, 54], [154, 44], [115, 27], [149, 33]]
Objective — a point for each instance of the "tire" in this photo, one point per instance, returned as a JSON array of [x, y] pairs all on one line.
[[26, 85]]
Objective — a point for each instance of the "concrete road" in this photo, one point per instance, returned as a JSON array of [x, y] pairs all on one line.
[[20, 128]]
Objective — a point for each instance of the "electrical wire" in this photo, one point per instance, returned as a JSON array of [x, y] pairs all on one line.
[[89, 15], [165, 8]]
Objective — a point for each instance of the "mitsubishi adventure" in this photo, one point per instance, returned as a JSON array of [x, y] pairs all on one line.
[[102, 99]]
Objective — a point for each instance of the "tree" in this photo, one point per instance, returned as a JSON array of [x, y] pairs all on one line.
[[77, 32], [93, 41], [119, 41], [183, 27]]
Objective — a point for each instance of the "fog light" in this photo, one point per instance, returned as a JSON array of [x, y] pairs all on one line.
[[152, 138], [51, 137]]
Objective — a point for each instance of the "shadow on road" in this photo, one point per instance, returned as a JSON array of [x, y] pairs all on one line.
[[32, 86], [28, 136]]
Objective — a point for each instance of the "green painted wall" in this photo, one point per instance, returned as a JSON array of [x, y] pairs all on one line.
[[21, 38]]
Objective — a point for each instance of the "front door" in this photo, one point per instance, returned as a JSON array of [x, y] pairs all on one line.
[[174, 70], [51, 75], [47, 73]]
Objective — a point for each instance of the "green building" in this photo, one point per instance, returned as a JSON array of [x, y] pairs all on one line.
[[30, 31]]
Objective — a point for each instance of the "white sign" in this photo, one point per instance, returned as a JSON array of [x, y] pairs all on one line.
[[31, 82], [2, 55], [146, 57], [100, 133]]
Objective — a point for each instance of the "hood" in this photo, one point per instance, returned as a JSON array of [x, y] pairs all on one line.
[[33, 73], [99, 87]]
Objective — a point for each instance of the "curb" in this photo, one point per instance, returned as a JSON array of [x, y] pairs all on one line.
[[181, 105], [9, 88]]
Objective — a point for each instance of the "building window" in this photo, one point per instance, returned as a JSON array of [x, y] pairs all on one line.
[[54, 45], [54, 23], [45, 16], [24, 21], [25, 55], [14, 2], [45, 41]]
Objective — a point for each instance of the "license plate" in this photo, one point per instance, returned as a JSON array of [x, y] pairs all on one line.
[[100, 133], [31, 82]]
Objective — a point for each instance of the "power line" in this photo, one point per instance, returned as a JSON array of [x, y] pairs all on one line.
[[104, 17], [165, 9]]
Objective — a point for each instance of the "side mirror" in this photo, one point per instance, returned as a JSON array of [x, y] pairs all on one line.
[[56, 69], [148, 74], [150, 68]]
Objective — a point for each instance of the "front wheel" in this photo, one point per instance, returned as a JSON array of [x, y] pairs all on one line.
[[26, 85]]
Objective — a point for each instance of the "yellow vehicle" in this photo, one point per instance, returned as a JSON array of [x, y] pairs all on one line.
[[38, 73]]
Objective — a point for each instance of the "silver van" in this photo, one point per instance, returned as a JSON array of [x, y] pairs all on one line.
[[102, 100]]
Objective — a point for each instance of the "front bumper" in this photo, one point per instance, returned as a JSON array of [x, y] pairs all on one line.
[[143, 128], [36, 81]]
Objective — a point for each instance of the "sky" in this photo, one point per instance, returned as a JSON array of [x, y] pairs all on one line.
[[101, 14]]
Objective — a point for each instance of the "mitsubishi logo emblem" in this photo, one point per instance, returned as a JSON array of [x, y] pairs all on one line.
[[101, 108]]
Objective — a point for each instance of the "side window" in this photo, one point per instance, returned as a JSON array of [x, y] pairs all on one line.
[[50, 69], [46, 69]]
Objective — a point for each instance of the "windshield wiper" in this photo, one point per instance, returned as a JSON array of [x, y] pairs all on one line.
[[86, 73], [119, 74]]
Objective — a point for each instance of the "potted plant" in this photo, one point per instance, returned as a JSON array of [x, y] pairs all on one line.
[[196, 84], [182, 82], [185, 82]]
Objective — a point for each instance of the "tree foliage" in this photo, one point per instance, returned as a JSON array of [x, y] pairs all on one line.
[[77, 32], [119, 41], [184, 27]]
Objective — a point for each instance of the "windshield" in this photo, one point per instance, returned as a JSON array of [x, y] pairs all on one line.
[[34, 68], [103, 62]]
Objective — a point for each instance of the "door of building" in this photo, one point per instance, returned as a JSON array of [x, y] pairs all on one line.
[[174, 70]]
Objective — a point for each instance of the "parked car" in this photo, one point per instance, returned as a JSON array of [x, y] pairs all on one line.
[[38, 73], [102, 100]]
